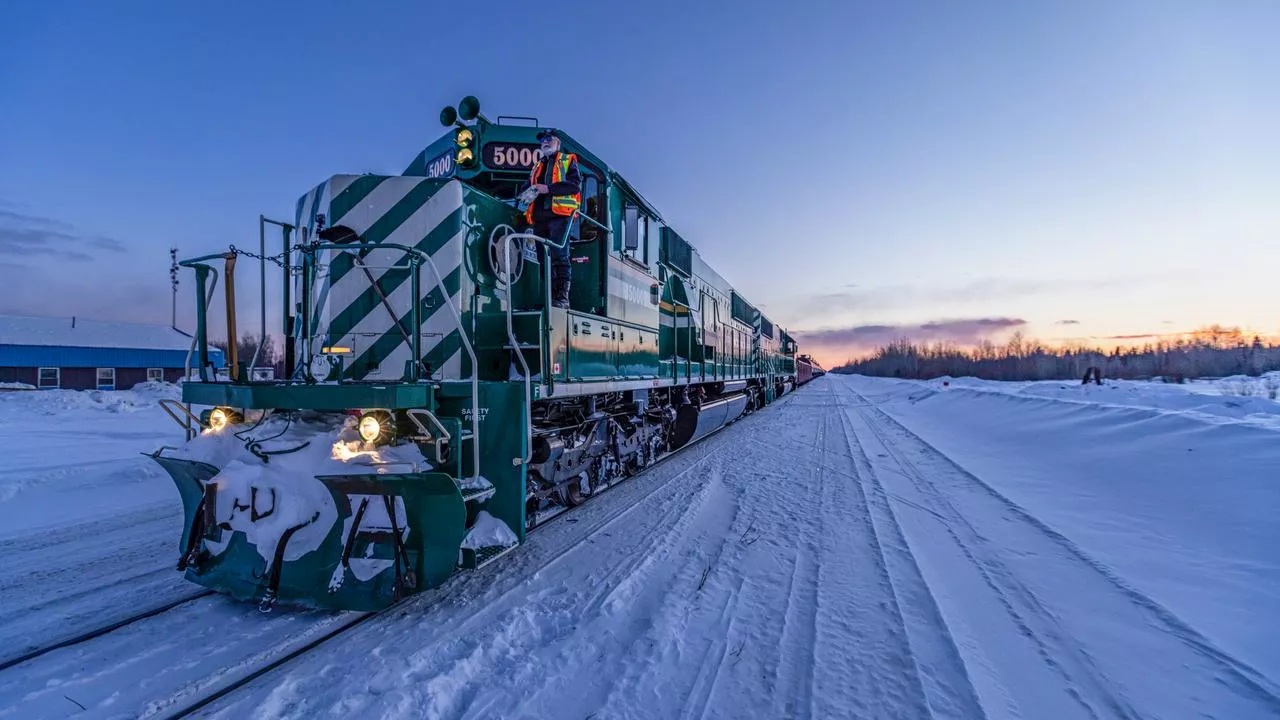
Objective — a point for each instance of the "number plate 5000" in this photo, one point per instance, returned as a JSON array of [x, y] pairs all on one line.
[[510, 156]]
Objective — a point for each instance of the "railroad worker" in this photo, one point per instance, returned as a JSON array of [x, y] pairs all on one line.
[[557, 183]]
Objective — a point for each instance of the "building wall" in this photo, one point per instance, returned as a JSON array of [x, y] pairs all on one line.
[[85, 378], [18, 375], [80, 378]]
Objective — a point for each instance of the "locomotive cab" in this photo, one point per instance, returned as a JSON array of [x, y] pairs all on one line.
[[497, 157]]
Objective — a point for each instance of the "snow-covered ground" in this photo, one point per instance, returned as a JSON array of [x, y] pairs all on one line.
[[88, 526], [862, 549]]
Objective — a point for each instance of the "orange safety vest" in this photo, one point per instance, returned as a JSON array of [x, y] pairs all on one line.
[[560, 204]]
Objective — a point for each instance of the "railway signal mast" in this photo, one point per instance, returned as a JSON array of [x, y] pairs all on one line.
[[173, 283]]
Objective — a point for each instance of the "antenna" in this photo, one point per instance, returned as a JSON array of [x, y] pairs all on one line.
[[173, 282]]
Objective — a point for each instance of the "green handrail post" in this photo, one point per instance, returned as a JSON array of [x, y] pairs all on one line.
[[288, 315], [202, 340], [308, 262], [415, 316]]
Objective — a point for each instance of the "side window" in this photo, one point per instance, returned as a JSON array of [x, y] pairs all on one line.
[[106, 378], [630, 229], [49, 377], [591, 196], [592, 206], [651, 243], [155, 374]]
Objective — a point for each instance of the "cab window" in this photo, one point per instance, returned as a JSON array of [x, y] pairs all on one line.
[[593, 205]]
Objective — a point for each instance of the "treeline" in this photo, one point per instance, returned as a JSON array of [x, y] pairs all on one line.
[[1212, 352], [248, 344]]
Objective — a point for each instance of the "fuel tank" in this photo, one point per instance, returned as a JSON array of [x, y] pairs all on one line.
[[694, 422]]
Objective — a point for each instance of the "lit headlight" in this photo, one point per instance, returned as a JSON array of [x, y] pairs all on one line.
[[465, 157], [222, 417], [464, 138], [377, 427]]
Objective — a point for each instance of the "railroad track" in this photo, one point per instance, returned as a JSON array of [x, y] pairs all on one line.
[[223, 679], [99, 632]]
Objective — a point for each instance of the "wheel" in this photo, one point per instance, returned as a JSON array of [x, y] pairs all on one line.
[[573, 494]]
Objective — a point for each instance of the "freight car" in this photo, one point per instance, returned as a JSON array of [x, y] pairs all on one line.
[[807, 369], [436, 406]]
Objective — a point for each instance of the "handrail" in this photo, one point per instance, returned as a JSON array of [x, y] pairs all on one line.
[[417, 256], [593, 221], [184, 424], [413, 416], [515, 344], [200, 331]]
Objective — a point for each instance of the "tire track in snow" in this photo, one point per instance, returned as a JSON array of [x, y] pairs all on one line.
[[943, 680], [650, 609], [704, 685], [1086, 625], [480, 626], [1051, 677], [794, 696], [863, 662]]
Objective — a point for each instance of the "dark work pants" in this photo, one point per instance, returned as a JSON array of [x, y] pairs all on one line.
[[553, 230]]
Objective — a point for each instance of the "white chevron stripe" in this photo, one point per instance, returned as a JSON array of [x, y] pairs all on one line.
[[434, 330], [376, 204], [337, 185], [423, 220], [379, 321], [452, 368]]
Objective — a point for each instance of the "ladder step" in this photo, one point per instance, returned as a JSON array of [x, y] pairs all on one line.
[[477, 494], [476, 559]]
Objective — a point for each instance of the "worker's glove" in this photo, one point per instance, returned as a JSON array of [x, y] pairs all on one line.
[[529, 195]]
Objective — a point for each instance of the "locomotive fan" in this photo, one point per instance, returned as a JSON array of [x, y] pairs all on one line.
[[555, 186]]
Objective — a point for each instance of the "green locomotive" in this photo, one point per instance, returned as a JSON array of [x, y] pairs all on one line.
[[436, 405]]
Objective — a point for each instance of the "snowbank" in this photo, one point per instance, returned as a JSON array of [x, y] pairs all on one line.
[[143, 397], [1230, 400], [73, 455], [1170, 487]]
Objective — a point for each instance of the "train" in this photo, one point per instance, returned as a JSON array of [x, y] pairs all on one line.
[[807, 369], [436, 406]]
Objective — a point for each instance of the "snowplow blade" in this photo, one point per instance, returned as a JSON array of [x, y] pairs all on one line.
[[362, 543]]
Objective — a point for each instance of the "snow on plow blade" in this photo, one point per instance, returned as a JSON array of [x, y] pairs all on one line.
[[361, 543]]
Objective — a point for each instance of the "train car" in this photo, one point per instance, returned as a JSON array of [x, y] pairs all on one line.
[[436, 407], [807, 369]]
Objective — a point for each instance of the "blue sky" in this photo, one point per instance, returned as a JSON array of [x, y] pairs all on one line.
[[941, 170]]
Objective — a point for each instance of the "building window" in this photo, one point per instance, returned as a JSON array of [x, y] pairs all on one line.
[[155, 374], [50, 378], [106, 378]]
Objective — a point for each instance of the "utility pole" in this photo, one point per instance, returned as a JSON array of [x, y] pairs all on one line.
[[173, 281]]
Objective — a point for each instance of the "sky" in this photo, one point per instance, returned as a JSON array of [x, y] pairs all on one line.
[[1076, 171]]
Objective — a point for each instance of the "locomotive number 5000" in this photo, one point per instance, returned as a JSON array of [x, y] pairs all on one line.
[[511, 156]]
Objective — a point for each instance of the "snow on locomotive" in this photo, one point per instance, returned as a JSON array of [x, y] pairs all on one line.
[[436, 405]]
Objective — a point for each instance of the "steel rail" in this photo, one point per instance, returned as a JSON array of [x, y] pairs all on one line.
[[99, 632]]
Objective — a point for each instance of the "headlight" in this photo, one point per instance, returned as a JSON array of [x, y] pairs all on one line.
[[464, 137], [377, 426], [466, 158], [222, 417]]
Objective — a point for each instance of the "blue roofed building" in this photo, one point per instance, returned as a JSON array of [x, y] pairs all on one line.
[[79, 354]]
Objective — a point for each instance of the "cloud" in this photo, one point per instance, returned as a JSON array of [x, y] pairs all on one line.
[[1140, 336], [1067, 322], [863, 338], [23, 234], [984, 290]]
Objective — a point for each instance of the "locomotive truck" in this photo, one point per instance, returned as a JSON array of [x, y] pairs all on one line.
[[435, 406]]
